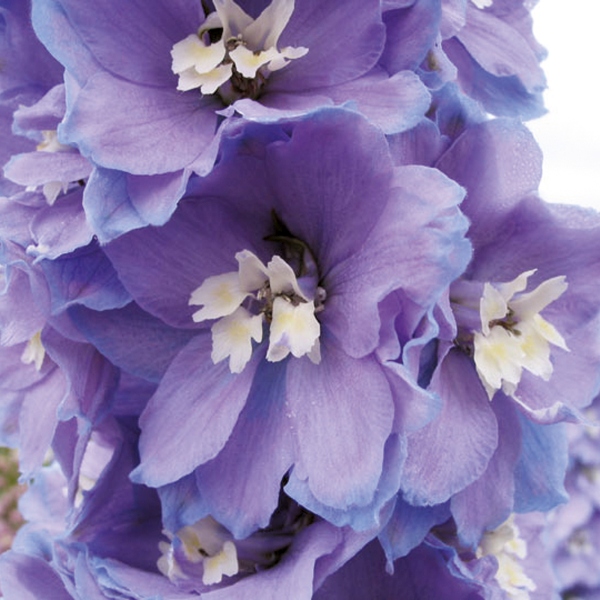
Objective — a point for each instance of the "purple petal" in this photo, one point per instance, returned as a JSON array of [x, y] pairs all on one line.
[[324, 27], [132, 339], [192, 414], [454, 449], [25, 62], [240, 487], [29, 577], [322, 160], [138, 129], [38, 419], [144, 32], [504, 96], [394, 103], [61, 228], [417, 245], [340, 435], [116, 202], [500, 48], [540, 472], [37, 168], [85, 277], [365, 517], [292, 578], [487, 502], [408, 527], [47, 113], [498, 162], [411, 32], [424, 573], [20, 315]]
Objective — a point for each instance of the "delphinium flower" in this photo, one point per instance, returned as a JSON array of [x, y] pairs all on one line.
[[157, 113], [62, 215], [574, 528], [114, 545], [254, 344], [283, 289], [510, 562], [51, 378], [506, 374]]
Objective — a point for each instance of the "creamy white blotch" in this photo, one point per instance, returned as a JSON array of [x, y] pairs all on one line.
[[219, 295], [514, 336], [506, 544], [482, 3], [34, 352], [273, 293], [247, 44], [282, 279], [50, 142], [205, 541], [232, 338], [294, 329], [253, 273], [248, 63], [199, 65]]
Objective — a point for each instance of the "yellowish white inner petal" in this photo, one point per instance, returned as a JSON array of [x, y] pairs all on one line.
[[232, 337], [206, 542], [243, 301], [265, 31], [282, 278], [192, 52], [248, 62], [34, 351], [224, 562], [510, 549], [294, 329], [221, 295], [246, 43], [514, 336]]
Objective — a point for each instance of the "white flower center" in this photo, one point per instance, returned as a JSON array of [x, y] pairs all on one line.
[[34, 352], [272, 295], [509, 549], [513, 335], [207, 542], [243, 57], [482, 3]]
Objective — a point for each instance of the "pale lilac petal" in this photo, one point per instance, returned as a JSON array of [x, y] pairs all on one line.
[[192, 414], [455, 448], [487, 502], [249, 469], [313, 25], [500, 49], [342, 422], [141, 130]]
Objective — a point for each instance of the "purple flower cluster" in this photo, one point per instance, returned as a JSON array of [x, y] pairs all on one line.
[[282, 315]]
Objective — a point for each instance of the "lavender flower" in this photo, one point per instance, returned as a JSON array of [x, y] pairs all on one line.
[[144, 116], [513, 443], [113, 542], [290, 251]]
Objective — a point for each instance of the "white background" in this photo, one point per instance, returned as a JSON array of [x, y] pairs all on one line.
[[569, 133]]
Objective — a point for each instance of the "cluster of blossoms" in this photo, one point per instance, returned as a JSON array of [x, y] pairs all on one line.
[[281, 314]]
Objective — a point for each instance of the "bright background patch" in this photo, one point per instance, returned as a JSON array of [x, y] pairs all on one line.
[[570, 133]]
